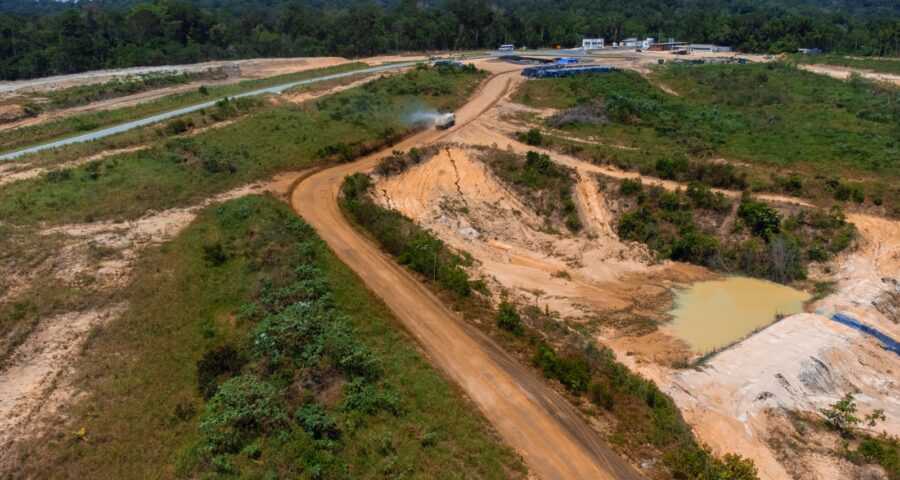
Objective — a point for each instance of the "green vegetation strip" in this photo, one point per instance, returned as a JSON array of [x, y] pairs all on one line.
[[249, 350], [19, 138], [184, 171]]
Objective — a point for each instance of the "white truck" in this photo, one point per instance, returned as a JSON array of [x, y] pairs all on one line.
[[445, 121]]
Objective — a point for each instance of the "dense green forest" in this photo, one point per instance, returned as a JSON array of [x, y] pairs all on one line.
[[46, 37]]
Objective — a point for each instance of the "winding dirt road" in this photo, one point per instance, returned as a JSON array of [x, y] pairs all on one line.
[[539, 423]]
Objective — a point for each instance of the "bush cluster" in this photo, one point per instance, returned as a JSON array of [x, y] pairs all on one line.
[[762, 243], [414, 247], [398, 162], [646, 416], [298, 341]]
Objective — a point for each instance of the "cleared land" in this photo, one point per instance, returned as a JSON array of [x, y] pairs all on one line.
[[541, 238], [555, 445]]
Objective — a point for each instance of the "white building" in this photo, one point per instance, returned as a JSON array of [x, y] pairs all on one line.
[[592, 43], [707, 48], [635, 43]]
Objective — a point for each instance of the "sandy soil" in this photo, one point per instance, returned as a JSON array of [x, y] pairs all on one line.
[[804, 363], [845, 72], [34, 388], [579, 276], [541, 425], [737, 403]]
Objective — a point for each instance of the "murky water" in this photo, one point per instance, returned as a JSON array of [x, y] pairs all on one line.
[[717, 313]]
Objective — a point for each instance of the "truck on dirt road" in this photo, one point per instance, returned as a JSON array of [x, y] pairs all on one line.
[[445, 121]]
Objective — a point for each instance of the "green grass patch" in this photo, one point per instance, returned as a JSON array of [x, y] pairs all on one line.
[[771, 121], [767, 113], [250, 351], [183, 171], [23, 137]]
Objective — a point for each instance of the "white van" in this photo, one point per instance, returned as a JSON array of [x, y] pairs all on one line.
[[508, 47]]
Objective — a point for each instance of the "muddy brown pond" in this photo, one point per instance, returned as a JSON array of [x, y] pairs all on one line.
[[713, 314]]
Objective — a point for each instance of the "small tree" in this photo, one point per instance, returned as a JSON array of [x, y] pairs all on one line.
[[840, 415]]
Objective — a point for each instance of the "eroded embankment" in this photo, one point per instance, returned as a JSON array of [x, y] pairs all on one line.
[[530, 416], [742, 398]]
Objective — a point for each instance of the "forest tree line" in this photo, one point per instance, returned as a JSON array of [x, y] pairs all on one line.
[[44, 37]]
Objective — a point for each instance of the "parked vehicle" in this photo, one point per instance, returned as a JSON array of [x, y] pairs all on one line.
[[506, 47]]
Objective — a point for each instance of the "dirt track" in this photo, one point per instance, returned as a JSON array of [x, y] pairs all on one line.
[[539, 423]]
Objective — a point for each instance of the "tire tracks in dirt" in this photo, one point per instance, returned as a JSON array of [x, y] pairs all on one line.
[[539, 423]]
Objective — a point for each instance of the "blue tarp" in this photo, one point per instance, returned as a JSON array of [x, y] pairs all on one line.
[[566, 61], [553, 72], [889, 343]]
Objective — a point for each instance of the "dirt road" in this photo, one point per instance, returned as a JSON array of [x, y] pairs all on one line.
[[539, 423]]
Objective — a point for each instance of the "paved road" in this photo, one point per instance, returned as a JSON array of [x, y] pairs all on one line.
[[181, 111], [537, 422]]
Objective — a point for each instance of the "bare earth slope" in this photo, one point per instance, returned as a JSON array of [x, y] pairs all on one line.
[[531, 417]]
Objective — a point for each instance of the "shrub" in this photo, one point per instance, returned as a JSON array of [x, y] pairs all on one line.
[[178, 126], [292, 336], [700, 194], [572, 371], [214, 255], [340, 152], [602, 396], [217, 364], [639, 225], [533, 137], [762, 219], [361, 396], [670, 168], [698, 462], [840, 415], [631, 186], [57, 176], [694, 247], [508, 318], [785, 258], [883, 450], [317, 422], [243, 408], [355, 186]]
